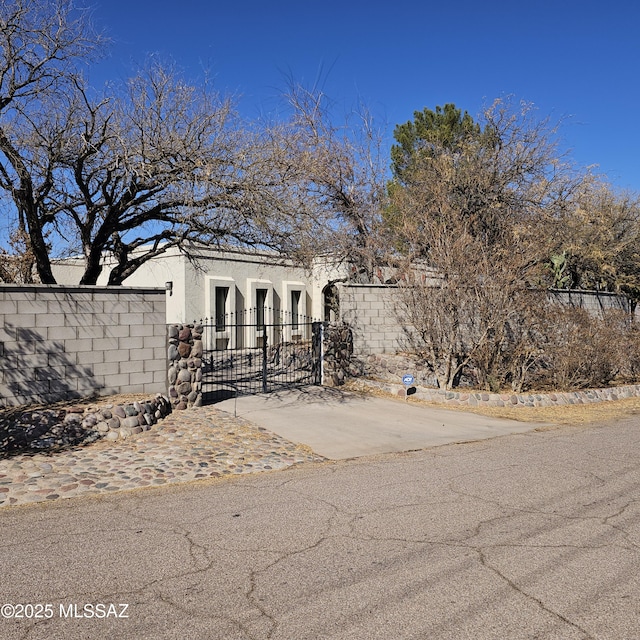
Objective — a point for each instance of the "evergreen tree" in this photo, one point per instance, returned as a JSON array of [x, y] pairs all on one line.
[[430, 132]]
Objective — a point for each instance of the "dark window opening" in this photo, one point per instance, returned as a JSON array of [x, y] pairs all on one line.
[[261, 301], [295, 309], [222, 293]]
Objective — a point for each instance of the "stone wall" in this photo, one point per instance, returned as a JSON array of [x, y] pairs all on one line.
[[339, 363], [61, 343], [54, 428], [389, 367], [468, 398], [185, 365]]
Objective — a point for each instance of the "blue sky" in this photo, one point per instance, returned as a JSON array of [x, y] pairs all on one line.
[[573, 60]]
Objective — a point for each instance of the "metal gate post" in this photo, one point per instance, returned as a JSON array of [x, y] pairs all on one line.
[[317, 345], [322, 328], [264, 359]]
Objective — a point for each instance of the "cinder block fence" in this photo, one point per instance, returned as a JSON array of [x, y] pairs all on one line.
[[61, 342], [370, 310]]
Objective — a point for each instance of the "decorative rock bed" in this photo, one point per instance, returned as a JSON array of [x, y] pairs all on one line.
[[49, 429]]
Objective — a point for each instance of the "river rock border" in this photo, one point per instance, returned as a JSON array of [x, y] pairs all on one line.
[[185, 365], [48, 429], [118, 422], [480, 398]]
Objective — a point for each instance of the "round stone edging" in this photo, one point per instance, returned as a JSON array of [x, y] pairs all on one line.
[[472, 398], [48, 429]]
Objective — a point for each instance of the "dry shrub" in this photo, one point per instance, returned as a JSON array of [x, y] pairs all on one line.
[[515, 347], [623, 331], [583, 350], [547, 346]]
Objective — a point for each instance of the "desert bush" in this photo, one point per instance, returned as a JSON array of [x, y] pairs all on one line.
[[516, 352], [542, 345], [581, 350]]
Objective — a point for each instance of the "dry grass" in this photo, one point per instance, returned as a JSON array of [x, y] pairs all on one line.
[[567, 414]]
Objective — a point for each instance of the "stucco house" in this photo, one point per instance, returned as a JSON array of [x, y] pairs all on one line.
[[215, 282]]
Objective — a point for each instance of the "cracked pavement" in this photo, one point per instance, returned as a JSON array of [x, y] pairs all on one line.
[[532, 535]]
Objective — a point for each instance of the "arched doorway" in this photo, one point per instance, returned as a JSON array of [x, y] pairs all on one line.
[[330, 303]]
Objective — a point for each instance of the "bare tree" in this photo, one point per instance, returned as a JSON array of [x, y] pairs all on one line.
[[339, 173], [42, 44], [161, 163], [136, 173], [462, 312], [157, 162], [600, 239]]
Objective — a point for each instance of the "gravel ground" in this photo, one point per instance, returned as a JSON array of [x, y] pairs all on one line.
[[193, 445]]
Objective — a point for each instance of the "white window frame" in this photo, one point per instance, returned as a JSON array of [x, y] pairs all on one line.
[[253, 336], [217, 339], [291, 334]]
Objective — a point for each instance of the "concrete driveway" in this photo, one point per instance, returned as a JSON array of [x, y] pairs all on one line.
[[340, 425]]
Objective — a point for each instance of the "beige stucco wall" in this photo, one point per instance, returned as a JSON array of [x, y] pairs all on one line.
[[193, 282]]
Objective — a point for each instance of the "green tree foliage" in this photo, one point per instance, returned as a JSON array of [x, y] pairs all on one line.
[[430, 133], [474, 209], [558, 266], [501, 177]]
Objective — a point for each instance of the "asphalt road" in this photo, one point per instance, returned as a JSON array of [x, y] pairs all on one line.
[[532, 535]]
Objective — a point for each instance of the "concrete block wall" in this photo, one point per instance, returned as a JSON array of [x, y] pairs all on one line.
[[60, 342], [369, 309], [592, 301]]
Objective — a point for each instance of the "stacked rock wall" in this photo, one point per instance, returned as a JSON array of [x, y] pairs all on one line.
[[185, 365], [49, 429], [337, 351], [390, 367], [120, 421], [485, 399]]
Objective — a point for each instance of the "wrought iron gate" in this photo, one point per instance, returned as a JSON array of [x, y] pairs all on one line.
[[259, 351]]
